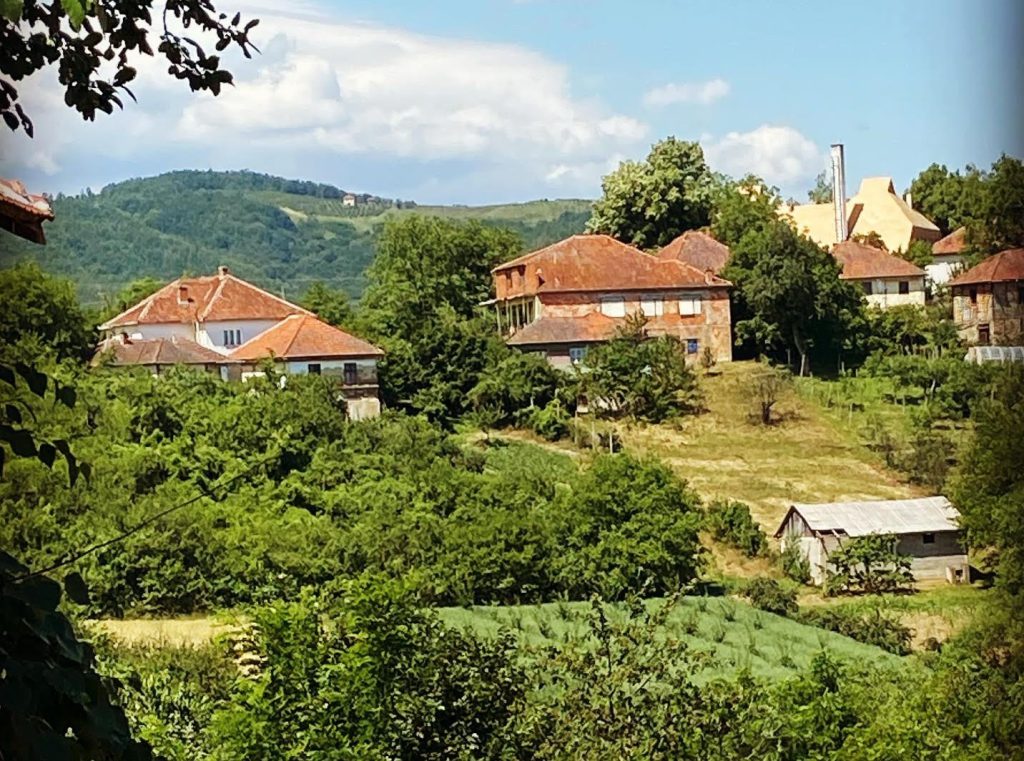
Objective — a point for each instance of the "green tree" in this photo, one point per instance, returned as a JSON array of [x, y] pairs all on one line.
[[80, 37], [44, 310], [131, 295], [822, 190], [639, 376], [867, 564], [937, 193], [791, 293], [329, 304], [648, 203], [1000, 223]]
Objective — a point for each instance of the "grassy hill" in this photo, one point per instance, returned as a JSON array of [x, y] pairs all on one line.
[[282, 234]]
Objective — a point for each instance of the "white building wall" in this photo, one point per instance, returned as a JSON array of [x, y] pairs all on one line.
[[944, 268], [163, 330], [211, 334], [330, 366], [886, 292]]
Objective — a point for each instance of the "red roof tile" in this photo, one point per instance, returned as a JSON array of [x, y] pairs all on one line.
[[697, 249], [552, 330], [23, 213], [1002, 267], [953, 243], [303, 336], [199, 299], [861, 261], [601, 263], [174, 350]]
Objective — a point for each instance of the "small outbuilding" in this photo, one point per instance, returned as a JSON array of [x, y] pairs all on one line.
[[927, 530]]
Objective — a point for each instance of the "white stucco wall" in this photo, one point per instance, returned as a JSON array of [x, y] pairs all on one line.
[[886, 292], [331, 366], [211, 334], [163, 330], [944, 268]]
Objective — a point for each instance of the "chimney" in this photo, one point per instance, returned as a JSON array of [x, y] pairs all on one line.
[[222, 270], [839, 191], [909, 200], [182, 294], [709, 276]]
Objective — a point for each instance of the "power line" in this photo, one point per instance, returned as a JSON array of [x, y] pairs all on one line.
[[143, 523]]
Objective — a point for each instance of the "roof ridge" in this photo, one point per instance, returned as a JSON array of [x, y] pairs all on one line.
[[295, 334], [231, 276]]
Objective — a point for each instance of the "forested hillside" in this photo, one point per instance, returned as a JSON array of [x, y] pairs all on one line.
[[282, 234]]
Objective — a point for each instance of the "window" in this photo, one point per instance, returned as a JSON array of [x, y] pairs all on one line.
[[974, 296], [868, 287], [984, 334], [928, 538], [577, 354], [313, 369], [232, 337], [689, 305], [692, 345], [652, 307], [1020, 295], [904, 286], [615, 307], [350, 373]]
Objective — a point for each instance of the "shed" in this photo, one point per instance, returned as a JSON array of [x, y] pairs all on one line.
[[927, 530]]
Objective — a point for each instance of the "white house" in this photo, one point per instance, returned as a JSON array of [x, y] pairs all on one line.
[[948, 257], [224, 324], [886, 280]]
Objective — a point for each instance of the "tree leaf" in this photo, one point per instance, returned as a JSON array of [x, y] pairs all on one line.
[[75, 10], [76, 589], [36, 380], [47, 454], [7, 375], [66, 395], [11, 10], [12, 413], [20, 441]]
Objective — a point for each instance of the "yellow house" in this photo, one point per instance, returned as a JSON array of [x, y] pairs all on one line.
[[876, 208]]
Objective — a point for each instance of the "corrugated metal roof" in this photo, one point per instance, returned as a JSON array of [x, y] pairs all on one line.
[[895, 516]]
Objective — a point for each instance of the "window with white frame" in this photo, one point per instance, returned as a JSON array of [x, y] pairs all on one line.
[[689, 305], [577, 354], [652, 307], [613, 307]]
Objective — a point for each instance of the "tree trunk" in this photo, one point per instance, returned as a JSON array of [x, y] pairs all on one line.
[[801, 346]]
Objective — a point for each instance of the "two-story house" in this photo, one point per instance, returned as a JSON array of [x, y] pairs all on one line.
[[223, 324], [988, 300], [886, 280], [698, 249], [564, 298]]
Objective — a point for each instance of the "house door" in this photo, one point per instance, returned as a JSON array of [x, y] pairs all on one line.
[[984, 335]]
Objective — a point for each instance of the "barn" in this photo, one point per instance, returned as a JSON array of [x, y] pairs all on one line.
[[927, 531]]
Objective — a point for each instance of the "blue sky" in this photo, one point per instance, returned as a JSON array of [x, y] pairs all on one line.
[[505, 100]]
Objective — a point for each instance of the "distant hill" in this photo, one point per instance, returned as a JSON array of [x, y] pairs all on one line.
[[282, 234]]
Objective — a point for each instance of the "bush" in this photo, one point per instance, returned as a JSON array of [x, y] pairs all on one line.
[[868, 565], [550, 421], [731, 522], [794, 564], [769, 595], [871, 629]]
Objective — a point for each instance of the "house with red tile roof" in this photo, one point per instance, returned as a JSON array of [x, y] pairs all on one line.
[[988, 300], [947, 257], [562, 299], [886, 280], [23, 213], [221, 320], [698, 249]]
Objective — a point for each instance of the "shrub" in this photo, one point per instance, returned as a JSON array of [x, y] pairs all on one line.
[[731, 522], [794, 564], [869, 565], [765, 389], [550, 421], [769, 595], [874, 628]]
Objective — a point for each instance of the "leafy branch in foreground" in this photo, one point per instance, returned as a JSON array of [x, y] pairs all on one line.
[[84, 37]]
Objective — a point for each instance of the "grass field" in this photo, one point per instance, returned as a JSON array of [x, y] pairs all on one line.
[[806, 457], [734, 635]]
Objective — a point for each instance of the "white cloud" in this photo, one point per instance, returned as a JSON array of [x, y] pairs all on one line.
[[332, 94], [687, 92], [779, 155]]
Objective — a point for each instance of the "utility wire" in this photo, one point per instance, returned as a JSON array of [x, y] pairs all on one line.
[[143, 523]]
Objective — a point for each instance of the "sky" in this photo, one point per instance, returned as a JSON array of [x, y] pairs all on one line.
[[496, 101]]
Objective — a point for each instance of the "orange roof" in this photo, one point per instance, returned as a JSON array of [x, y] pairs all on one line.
[[303, 336], [601, 263], [23, 213], [861, 261], [697, 249], [953, 243], [199, 299], [553, 330], [174, 350], [1006, 266]]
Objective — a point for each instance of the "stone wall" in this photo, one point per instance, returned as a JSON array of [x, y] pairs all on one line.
[[997, 305]]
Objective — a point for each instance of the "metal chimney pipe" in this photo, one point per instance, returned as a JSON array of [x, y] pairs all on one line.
[[839, 191]]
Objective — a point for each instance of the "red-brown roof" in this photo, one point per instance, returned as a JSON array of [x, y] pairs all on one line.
[[999, 268], [554, 330], [303, 336], [953, 243], [199, 299], [697, 249], [23, 213], [173, 350], [861, 262], [601, 263]]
